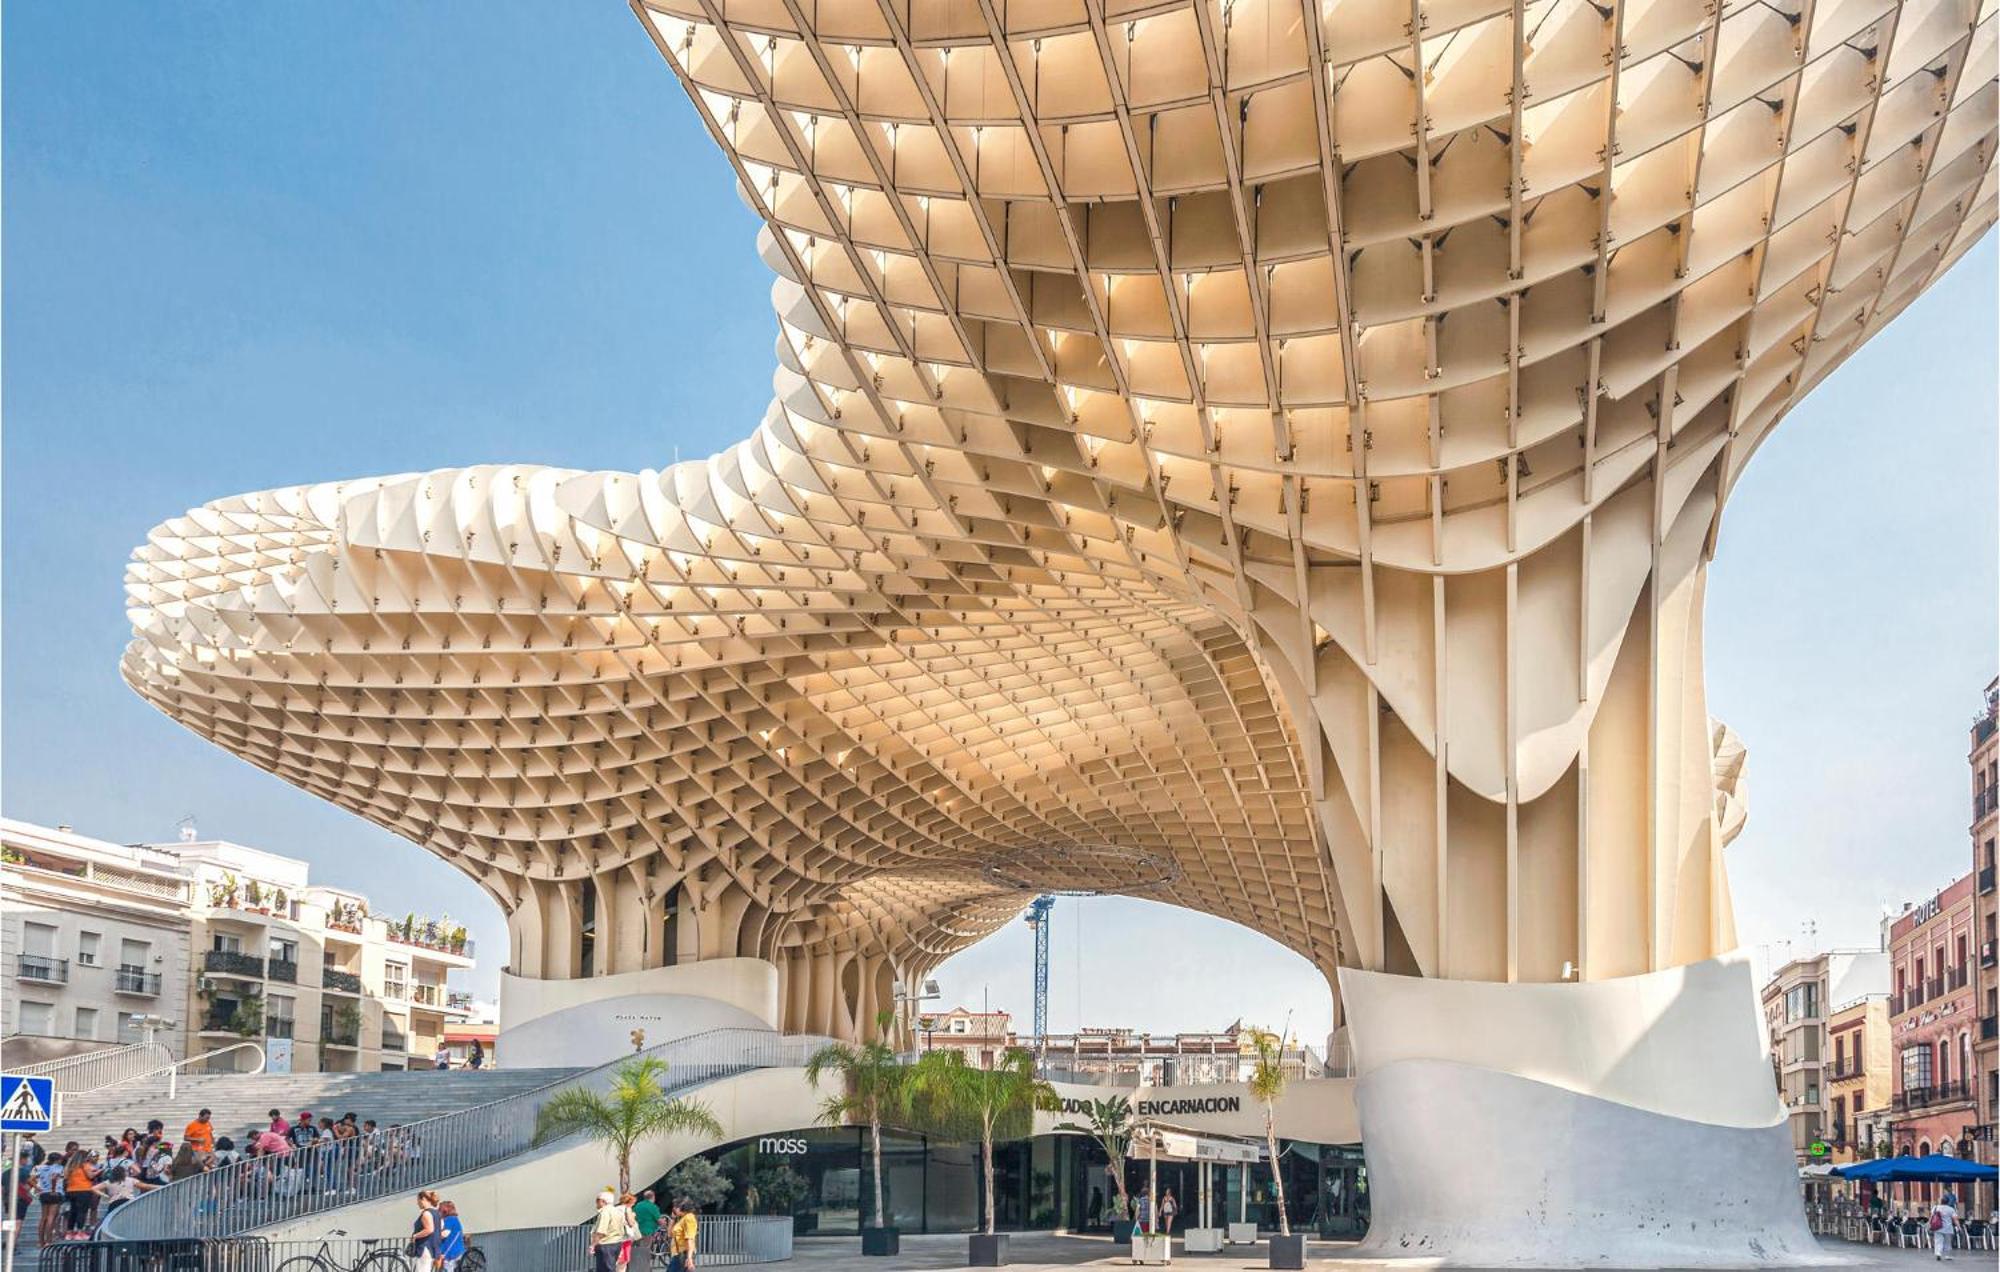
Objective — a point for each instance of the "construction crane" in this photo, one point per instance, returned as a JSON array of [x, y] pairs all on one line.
[[1038, 919]]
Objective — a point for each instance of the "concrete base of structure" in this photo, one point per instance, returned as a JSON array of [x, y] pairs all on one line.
[[589, 1020], [1620, 1123], [1473, 1167]]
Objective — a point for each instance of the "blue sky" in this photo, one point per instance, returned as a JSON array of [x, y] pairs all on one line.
[[248, 246]]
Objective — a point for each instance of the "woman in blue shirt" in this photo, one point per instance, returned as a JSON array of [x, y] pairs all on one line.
[[451, 1238]]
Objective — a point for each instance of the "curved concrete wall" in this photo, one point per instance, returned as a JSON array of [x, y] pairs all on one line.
[[1618, 1123], [556, 1187], [1688, 1042], [1480, 1168], [589, 1020]]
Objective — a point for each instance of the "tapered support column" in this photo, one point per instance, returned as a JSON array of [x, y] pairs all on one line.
[[1619, 1123]]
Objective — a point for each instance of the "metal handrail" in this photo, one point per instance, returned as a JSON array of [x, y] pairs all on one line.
[[258, 1192], [95, 1070]]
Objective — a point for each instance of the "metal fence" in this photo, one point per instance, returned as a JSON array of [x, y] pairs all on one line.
[[258, 1192], [729, 1240], [95, 1070], [725, 1240]]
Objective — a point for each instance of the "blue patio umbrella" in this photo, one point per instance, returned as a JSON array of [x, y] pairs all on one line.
[[1933, 1168]]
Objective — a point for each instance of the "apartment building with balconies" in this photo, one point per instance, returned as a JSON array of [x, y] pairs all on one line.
[[1983, 757], [94, 941], [323, 982], [1800, 1001], [233, 945], [1860, 1078], [1933, 1021]]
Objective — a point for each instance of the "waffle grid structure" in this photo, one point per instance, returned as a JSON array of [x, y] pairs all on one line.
[[1285, 439]]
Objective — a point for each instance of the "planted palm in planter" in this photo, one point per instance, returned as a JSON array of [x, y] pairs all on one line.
[[1110, 1124], [955, 1100], [1267, 1084], [872, 1091]]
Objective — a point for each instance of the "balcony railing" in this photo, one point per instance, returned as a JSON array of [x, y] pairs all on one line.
[[1989, 1028], [232, 963], [280, 970], [1986, 881], [427, 995], [458, 1000], [278, 1026], [340, 982], [1938, 1093], [1956, 977], [40, 967], [136, 980], [1933, 988], [1849, 1067], [1988, 955]]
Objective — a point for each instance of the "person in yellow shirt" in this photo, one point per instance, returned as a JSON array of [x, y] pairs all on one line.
[[681, 1238], [200, 1133]]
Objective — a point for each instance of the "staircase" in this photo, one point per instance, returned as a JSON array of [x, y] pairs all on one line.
[[240, 1103], [457, 1141]]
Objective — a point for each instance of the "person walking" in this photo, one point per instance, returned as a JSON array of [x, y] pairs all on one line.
[[1944, 1222], [200, 1133], [478, 1056], [426, 1234], [682, 1237], [609, 1233], [451, 1241], [647, 1213], [1145, 1214], [1168, 1209]]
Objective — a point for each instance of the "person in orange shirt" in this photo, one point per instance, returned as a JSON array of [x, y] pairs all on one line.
[[79, 1178], [200, 1133]]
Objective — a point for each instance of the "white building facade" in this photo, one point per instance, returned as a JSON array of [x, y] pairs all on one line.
[[94, 937], [221, 945]]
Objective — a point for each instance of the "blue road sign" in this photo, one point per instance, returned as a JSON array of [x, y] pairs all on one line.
[[26, 1104]]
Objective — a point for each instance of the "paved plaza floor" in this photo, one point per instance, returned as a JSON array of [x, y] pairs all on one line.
[[1043, 1251]]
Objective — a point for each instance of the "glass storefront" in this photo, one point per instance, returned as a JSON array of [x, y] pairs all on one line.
[[1051, 1181]]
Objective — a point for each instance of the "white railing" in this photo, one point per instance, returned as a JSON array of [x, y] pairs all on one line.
[[173, 1071], [95, 1070], [257, 1192]]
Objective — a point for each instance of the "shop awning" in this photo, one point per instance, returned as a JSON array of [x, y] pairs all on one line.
[[1178, 1144]]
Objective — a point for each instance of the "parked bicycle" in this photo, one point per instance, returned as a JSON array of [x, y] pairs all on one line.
[[377, 1255]]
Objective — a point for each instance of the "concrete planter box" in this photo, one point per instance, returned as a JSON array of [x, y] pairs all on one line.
[[1242, 1234], [986, 1250], [1154, 1247], [881, 1241], [1202, 1240], [1289, 1252]]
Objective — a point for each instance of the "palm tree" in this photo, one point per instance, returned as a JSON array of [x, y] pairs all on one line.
[[872, 1089], [1267, 1083], [635, 1108], [1110, 1125], [957, 1100]]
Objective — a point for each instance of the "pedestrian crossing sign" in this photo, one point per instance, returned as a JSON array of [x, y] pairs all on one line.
[[26, 1104]]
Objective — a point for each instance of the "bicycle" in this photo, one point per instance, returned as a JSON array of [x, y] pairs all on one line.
[[474, 1260], [386, 1258]]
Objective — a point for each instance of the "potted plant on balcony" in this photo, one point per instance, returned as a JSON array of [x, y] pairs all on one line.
[[248, 1019], [957, 1100], [873, 1090], [457, 940], [347, 1024], [1110, 1124]]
